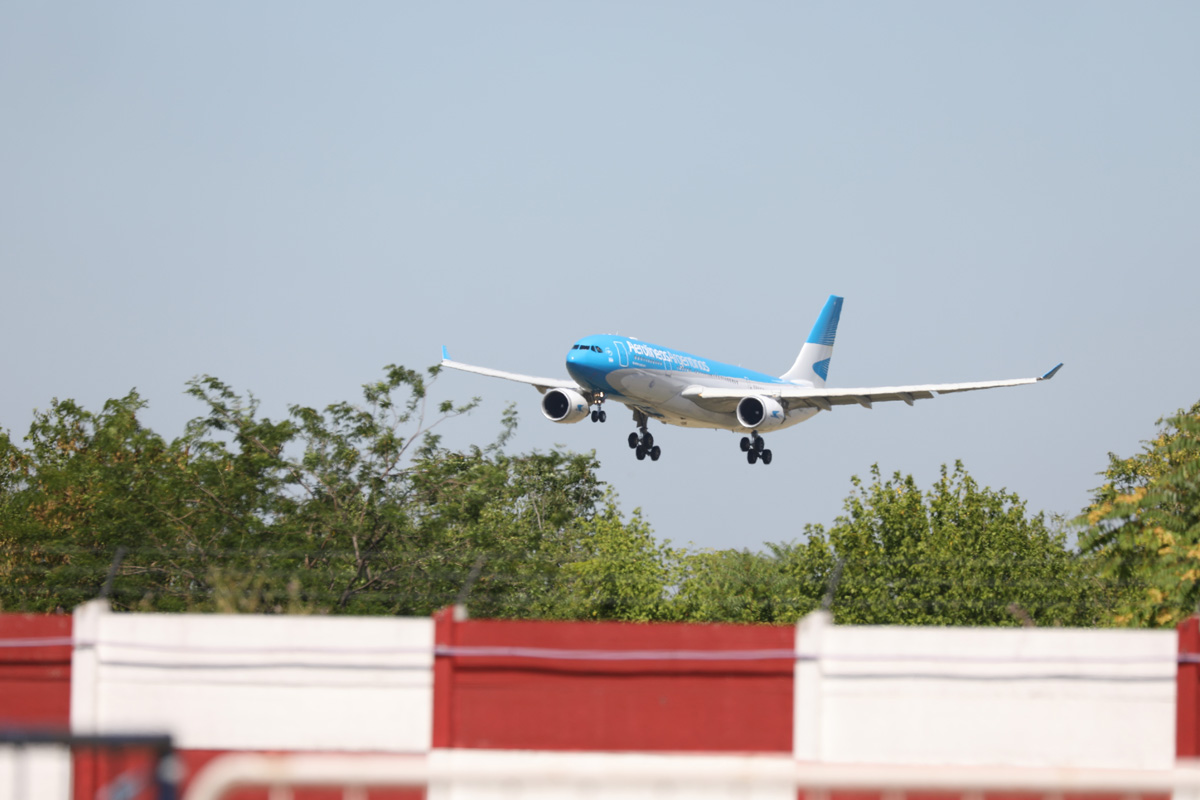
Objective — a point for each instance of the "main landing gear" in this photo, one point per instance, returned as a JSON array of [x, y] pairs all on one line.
[[755, 448], [643, 441], [598, 414]]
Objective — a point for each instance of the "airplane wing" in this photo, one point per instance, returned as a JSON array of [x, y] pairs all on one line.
[[826, 399], [541, 384]]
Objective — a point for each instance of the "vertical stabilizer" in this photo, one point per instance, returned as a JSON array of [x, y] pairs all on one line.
[[812, 365]]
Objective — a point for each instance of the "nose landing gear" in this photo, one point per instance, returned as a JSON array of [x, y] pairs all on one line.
[[642, 442], [755, 449], [598, 414]]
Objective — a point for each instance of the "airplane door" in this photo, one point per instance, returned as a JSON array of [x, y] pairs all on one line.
[[622, 354]]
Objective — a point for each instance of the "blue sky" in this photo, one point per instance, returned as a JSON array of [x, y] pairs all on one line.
[[290, 196]]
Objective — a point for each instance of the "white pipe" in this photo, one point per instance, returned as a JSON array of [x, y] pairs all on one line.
[[597, 770]]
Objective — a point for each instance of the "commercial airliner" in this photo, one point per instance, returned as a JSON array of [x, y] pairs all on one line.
[[676, 388]]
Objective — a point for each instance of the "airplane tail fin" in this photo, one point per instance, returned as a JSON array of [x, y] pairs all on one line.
[[812, 365]]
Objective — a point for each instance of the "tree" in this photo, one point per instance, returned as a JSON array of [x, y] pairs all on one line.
[[959, 554], [618, 572], [777, 587], [502, 528], [340, 531], [355, 508], [93, 488], [79, 493], [1143, 525]]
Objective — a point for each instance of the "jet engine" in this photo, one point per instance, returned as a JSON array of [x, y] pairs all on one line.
[[565, 405], [763, 413]]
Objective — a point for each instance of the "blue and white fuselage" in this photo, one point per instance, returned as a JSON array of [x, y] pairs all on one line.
[[652, 378], [678, 388]]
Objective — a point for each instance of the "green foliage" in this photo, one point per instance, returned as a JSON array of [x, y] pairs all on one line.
[[620, 573], [89, 484], [350, 509], [739, 586], [1143, 525], [959, 554], [501, 528], [357, 508]]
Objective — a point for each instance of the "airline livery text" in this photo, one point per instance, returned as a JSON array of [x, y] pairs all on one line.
[[667, 356]]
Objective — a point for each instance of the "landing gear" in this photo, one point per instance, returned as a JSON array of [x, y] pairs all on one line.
[[755, 448], [654, 452], [642, 442], [598, 414]]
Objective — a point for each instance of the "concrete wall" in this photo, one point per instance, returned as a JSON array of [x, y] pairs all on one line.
[[502, 692], [1009, 696], [255, 682]]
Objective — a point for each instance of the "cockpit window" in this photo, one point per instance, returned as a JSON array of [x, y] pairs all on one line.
[[596, 349]]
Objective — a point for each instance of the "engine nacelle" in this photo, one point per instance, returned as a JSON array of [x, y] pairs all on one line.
[[565, 405], [760, 412]]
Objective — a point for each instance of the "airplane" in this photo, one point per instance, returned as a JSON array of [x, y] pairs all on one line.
[[677, 388]]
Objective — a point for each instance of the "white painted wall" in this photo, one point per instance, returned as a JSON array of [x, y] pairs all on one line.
[[1004, 696], [35, 772], [511, 774], [255, 682]]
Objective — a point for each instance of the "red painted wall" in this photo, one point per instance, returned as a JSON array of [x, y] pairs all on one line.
[[35, 681], [674, 703], [1187, 691]]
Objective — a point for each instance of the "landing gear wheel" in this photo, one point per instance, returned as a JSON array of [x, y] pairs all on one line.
[[644, 445], [642, 441], [754, 446], [598, 414]]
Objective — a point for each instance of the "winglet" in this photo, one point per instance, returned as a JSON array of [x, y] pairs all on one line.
[[1050, 374], [446, 355]]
